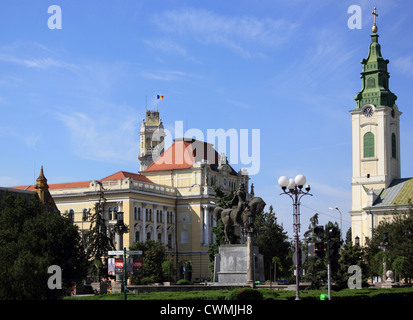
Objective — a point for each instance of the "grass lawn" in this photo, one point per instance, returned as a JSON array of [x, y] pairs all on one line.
[[346, 294]]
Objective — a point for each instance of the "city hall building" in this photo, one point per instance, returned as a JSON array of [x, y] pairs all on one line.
[[171, 200]]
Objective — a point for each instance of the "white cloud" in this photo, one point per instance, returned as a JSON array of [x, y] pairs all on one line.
[[238, 104], [41, 63], [166, 75], [166, 45], [109, 136], [405, 65], [235, 33]]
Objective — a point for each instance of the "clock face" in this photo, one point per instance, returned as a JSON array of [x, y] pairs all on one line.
[[368, 112]]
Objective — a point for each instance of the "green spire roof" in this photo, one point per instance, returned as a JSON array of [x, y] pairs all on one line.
[[375, 78]]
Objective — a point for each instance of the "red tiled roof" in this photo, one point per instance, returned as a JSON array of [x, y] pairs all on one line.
[[85, 184], [183, 154], [55, 186], [123, 174]]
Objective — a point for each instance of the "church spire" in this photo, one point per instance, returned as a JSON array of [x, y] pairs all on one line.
[[41, 185], [375, 77]]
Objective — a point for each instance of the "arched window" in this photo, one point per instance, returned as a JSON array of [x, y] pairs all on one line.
[[85, 216], [115, 211], [72, 215], [368, 145], [393, 146]]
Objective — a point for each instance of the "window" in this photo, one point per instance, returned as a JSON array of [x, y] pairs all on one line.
[[110, 210], [85, 216], [72, 215], [115, 211], [368, 145], [137, 213], [393, 146]]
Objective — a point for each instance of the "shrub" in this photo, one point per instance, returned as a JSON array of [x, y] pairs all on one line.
[[244, 294], [183, 282]]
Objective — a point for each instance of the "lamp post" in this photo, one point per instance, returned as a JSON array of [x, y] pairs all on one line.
[[120, 228], [250, 248], [384, 245], [341, 220], [295, 192]]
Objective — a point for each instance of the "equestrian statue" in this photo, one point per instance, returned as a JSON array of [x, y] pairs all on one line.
[[238, 211]]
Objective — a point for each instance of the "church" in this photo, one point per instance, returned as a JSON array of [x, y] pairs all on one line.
[[170, 200], [377, 187]]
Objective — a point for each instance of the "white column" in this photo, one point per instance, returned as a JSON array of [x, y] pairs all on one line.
[[165, 226], [202, 225], [206, 225], [143, 222], [155, 217]]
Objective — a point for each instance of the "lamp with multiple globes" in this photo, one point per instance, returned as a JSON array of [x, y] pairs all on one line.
[[295, 192]]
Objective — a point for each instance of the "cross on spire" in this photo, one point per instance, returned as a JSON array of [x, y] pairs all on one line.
[[375, 14]]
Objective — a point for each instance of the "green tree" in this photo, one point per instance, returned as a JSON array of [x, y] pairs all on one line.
[[350, 255], [153, 257], [31, 240], [222, 200], [272, 241], [399, 227], [316, 268], [98, 243]]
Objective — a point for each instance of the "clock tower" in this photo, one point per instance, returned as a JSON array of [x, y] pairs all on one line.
[[151, 137], [375, 130]]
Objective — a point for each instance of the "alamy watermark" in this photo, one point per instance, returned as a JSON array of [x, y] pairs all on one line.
[[55, 280], [243, 148], [354, 282], [55, 20]]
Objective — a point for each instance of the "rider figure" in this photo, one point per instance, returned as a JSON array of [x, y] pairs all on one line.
[[239, 201]]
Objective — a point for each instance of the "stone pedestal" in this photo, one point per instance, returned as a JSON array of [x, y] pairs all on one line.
[[231, 265], [389, 283], [117, 287]]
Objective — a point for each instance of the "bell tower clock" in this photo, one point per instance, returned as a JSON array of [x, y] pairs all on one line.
[[375, 128]]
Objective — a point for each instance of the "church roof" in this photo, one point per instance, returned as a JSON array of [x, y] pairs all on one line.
[[399, 192], [184, 153]]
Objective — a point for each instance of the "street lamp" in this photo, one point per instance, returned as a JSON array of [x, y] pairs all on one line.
[[295, 192], [341, 220], [357, 241], [250, 247], [384, 245], [120, 228]]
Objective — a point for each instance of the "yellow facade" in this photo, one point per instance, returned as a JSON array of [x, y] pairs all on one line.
[[172, 206]]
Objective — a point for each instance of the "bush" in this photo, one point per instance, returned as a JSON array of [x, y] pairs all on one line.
[[183, 282], [244, 294]]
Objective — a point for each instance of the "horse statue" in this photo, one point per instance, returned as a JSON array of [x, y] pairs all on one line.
[[236, 217]]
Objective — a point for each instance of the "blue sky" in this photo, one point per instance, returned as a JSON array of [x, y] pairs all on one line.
[[73, 99]]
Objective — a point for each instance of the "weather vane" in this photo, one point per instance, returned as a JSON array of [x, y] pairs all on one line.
[[375, 14]]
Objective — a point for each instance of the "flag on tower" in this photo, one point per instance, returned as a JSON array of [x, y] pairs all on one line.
[[159, 97]]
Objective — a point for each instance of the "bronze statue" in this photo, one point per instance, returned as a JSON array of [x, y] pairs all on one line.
[[238, 212]]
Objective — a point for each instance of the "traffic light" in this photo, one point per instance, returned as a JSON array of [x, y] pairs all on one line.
[[333, 247], [332, 232], [319, 249], [319, 232]]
